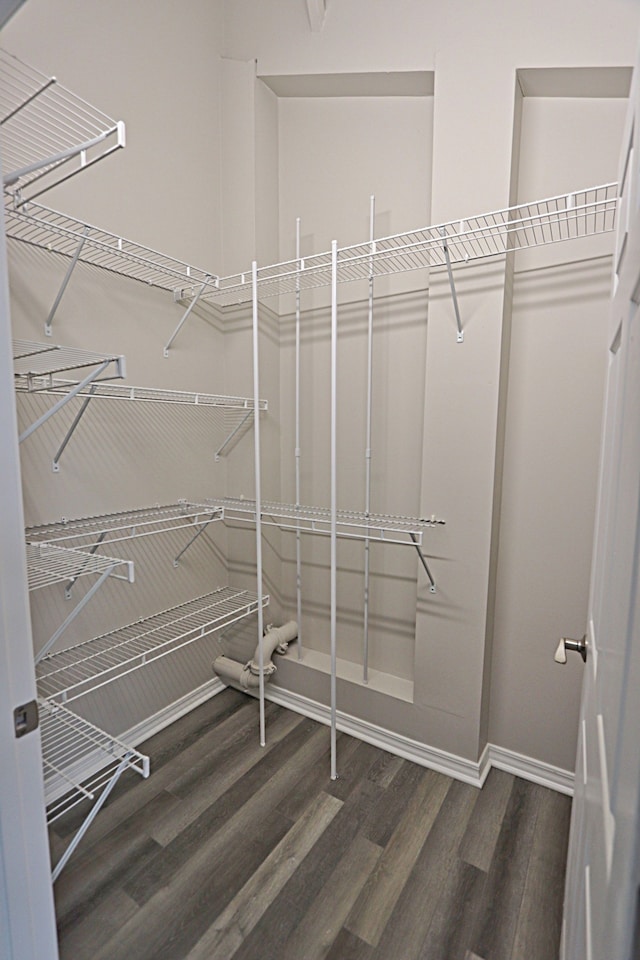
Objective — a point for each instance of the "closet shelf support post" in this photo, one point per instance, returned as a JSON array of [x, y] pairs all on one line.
[[185, 317], [63, 287], [334, 498], [258, 485], [447, 256]]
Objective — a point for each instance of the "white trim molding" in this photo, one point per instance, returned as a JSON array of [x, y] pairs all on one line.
[[450, 764], [169, 714]]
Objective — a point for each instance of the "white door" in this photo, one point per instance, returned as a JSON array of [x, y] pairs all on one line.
[[602, 913], [27, 921]]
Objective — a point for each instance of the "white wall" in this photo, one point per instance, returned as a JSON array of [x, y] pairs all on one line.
[[460, 465], [201, 184], [144, 63], [554, 407]]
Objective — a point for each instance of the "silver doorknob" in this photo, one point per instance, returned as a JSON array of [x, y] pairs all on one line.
[[566, 643]]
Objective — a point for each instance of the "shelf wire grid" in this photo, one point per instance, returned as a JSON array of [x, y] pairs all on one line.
[[48, 564], [124, 525], [565, 217], [57, 386], [74, 672], [45, 128], [56, 232], [79, 759], [351, 525], [35, 365]]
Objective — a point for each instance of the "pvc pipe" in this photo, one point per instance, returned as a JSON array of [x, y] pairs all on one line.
[[334, 499], [247, 676], [256, 445]]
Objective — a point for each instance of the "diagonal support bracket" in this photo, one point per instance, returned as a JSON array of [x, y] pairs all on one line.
[[185, 317], [236, 430], [80, 606], [69, 587], [55, 464], [68, 396], [95, 809], [63, 287], [424, 563], [447, 256], [201, 529]]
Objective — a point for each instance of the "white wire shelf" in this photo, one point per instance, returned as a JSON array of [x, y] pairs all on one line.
[[351, 525], [122, 391], [566, 217], [36, 364], [125, 525], [80, 763], [76, 671], [48, 564], [48, 133], [56, 232], [72, 748]]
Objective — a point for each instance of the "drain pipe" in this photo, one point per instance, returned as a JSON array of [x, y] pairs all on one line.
[[247, 676]]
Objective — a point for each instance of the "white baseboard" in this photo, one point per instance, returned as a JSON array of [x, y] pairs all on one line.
[[529, 769], [169, 714], [448, 763]]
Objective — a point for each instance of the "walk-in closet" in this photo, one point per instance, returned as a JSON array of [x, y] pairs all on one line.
[[308, 322]]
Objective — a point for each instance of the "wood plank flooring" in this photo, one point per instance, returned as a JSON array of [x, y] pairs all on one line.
[[230, 851]]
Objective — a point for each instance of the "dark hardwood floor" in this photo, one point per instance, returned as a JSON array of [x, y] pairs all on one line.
[[230, 850]]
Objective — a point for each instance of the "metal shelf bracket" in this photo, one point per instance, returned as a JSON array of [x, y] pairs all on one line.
[[186, 315], [447, 256], [63, 287], [81, 605], [432, 587], [236, 430]]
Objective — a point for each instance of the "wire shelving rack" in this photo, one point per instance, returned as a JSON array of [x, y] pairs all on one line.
[[81, 763], [36, 366], [57, 232], [565, 217], [48, 564], [68, 674], [48, 133], [124, 525]]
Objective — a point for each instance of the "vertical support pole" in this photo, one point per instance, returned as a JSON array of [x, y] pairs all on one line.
[[256, 446], [334, 499], [367, 452], [297, 447]]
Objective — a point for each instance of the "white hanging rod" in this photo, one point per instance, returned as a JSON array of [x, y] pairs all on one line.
[[80, 762], [317, 520], [565, 217], [48, 564], [125, 525], [56, 232], [121, 391], [48, 133], [79, 669]]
